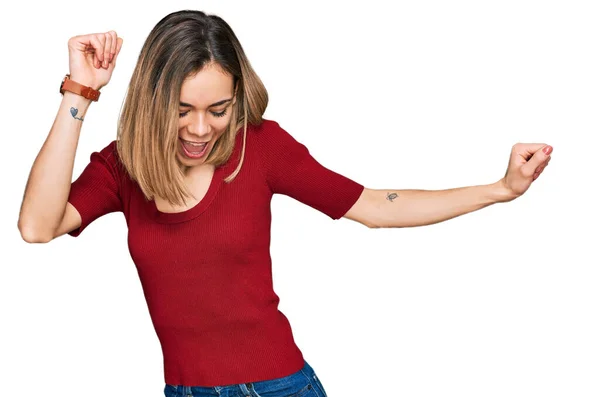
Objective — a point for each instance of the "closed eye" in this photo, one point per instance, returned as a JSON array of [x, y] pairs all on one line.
[[216, 114], [220, 114]]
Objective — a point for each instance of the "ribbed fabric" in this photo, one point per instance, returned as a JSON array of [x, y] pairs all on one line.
[[206, 272]]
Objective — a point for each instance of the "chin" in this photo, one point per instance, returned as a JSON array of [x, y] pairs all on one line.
[[189, 162]]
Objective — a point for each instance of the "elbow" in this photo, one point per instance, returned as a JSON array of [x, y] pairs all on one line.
[[381, 224], [31, 235], [371, 225]]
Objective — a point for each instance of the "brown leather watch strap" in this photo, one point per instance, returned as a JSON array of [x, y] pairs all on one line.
[[79, 89]]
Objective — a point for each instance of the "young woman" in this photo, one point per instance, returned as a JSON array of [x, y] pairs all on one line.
[[193, 169]]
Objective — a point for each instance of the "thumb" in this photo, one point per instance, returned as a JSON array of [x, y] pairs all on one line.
[[540, 155]]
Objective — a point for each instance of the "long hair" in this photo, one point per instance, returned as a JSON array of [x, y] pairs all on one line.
[[180, 45]]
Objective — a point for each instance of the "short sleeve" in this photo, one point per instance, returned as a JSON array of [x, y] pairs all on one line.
[[96, 191], [290, 169]]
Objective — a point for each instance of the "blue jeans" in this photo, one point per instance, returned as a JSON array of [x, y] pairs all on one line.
[[303, 383]]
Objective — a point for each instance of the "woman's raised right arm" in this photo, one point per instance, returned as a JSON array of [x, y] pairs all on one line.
[[45, 213], [45, 200]]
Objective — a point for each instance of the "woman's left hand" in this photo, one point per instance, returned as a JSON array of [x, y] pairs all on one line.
[[527, 162]]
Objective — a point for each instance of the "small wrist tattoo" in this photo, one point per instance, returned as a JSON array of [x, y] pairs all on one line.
[[74, 114], [391, 196]]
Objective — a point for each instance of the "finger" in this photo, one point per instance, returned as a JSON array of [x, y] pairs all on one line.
[[88, 43], [107, 46], [540, 169], [113, 63], [536, 175], [82, 42], [113, 47], [526, 150], [99, 50], [119, 45], [545, 163], [538, 158]]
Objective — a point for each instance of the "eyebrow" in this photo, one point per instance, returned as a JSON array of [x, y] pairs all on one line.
[[214, 104]]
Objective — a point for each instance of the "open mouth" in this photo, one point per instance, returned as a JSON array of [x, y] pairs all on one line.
[[193, 150]]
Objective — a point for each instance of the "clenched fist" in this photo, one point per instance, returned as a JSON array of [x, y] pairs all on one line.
[[92, 58]]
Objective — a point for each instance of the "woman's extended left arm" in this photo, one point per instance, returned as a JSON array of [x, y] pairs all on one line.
[[378, 208]]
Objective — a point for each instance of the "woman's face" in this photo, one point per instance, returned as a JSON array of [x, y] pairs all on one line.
[[205, 108]]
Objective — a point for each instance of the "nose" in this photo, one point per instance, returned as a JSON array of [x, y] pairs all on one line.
[[198, 125]]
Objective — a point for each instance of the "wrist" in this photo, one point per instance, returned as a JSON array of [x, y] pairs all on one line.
[[76, 100], [500, 193], [87, 83], [85, 89]]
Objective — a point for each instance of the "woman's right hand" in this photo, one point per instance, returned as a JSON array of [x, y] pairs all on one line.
[[92, 58]]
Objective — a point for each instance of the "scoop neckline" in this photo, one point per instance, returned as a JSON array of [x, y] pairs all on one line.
[[216, 182], [175, 217]]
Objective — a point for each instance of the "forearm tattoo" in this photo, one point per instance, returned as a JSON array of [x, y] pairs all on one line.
[[391, 196], [74, 114]]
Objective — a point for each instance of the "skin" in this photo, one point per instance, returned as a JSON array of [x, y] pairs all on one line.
[[378, 208], [206, 102], [91, 62], [200, 122], [375, 208]]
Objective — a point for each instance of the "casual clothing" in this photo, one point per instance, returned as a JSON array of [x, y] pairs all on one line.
[[303, 383], [206, 272]]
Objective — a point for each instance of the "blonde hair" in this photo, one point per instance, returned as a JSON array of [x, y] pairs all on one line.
[[180, 45]]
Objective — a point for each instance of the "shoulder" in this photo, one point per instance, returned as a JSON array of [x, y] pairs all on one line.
[[264, 127], [275, 146], [110, 153], [110, 156], [269, 133]]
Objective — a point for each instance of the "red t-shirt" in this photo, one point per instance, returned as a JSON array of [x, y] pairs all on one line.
[[206, 272]]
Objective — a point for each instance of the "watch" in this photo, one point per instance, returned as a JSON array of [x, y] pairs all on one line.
[[87, 92]]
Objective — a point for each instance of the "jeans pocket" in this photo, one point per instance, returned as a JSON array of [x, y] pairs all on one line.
[[305, 390]]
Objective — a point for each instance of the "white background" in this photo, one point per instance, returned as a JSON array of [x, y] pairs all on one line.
[[395, 95]]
